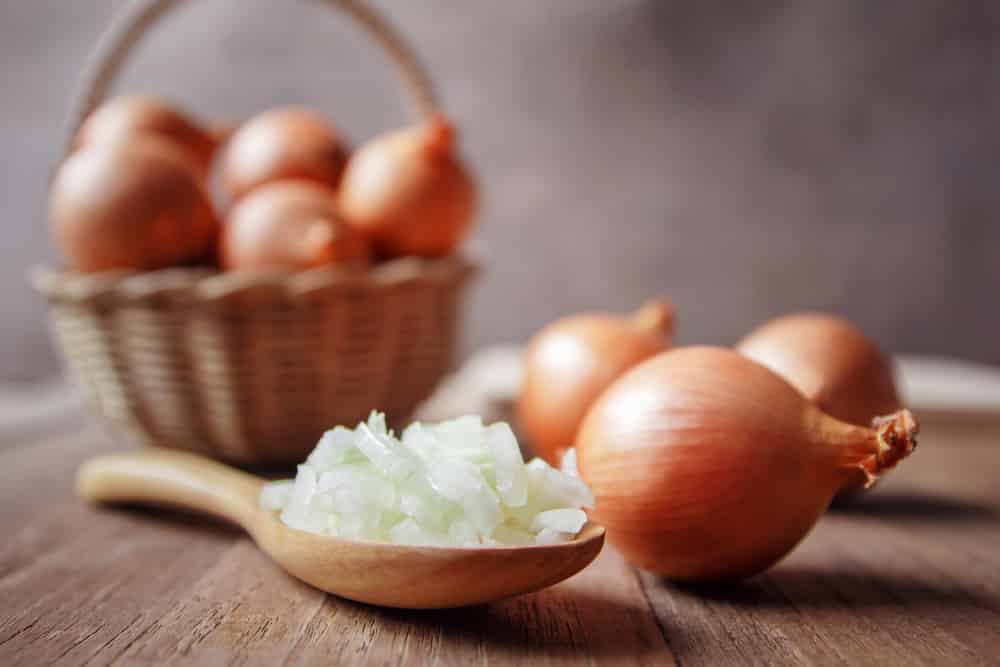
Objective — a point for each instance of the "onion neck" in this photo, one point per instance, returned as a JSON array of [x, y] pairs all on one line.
[[656, 318], [873, 451], [439, 136]]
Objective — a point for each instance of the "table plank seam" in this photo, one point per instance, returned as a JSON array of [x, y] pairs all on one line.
[[660, 624]]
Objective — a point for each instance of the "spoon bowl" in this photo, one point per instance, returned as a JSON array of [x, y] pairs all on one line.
[[391, 575]]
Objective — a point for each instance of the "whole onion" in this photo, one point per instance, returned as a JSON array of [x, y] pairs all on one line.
[[571, 361], [289, 225], [409, 192], [123, 119], [832, 363], [706, 465], [290, 143], [138, 205]]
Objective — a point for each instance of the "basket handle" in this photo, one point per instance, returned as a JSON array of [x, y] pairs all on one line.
[[129, 27]]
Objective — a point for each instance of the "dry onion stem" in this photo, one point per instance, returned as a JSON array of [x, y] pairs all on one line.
[[832, 363]]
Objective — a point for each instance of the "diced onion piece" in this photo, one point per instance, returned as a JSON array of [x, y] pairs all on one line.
[[336, 446], [460, 482], [549, 536], [504, 534], [454, 483], [511, 478], [568, 464], [562, 489], [562, 520], [394, 462]]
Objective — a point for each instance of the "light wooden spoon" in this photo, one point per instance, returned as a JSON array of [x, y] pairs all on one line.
[[391, 575]]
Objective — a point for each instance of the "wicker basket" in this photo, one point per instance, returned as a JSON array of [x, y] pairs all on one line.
[[251, 368]]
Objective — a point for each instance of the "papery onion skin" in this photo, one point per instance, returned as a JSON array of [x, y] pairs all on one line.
[[409, 192], [572, 360], [706, 465], [125, 118], [289, 143], [832, 363], [139, 205], [290, 225]]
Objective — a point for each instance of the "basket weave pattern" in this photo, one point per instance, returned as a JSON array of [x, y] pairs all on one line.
[[251, 368]]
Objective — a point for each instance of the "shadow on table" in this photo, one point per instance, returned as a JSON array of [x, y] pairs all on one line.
[[555, 622], [807, 588], [177, 520], [916, 505]]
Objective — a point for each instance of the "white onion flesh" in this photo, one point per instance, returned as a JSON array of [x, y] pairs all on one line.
[[456, 483]]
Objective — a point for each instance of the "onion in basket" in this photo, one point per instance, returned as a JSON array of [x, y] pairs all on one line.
[[409, 192], [282, 144], [289, 225], [137, 205], [124, 118]]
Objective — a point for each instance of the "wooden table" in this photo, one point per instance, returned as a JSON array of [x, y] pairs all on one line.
[[911, 577]]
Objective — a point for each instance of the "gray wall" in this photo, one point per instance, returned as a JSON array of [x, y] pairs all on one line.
[[743, 158]]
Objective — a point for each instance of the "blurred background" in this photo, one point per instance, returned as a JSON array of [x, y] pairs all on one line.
[[743, 159]]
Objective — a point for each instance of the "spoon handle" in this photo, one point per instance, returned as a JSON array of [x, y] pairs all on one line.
[[171, 478]]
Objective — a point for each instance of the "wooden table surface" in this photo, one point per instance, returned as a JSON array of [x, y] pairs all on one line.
[[911, 577]]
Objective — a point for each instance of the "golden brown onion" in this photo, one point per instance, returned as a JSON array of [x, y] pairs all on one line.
[[137, 205], [122, 119], [571, 361], [409, 192], [289, 225], [706, 465], [282, 144], [831, 362]]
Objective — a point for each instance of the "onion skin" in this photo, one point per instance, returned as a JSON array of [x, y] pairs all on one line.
[[571, 361], [708, 466], [409, 193], [123, 119], [832, 363], [290, 143], [289, 225], [135, 206]]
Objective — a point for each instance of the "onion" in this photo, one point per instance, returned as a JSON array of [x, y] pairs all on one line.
[[122, 119], [832, 363], [457, 483], [706, 465], [282, 144], [571, 361], [289, 225], [409, 192], [139, 205]]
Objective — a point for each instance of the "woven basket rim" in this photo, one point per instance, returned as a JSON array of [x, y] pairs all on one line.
[[208, 285]]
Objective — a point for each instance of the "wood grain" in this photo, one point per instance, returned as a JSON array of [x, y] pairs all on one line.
[[911, 576]]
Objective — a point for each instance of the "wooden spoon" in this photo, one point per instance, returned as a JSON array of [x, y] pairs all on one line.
[[392, 575]]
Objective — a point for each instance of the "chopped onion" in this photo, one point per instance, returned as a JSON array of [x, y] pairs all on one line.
[[458, 483]]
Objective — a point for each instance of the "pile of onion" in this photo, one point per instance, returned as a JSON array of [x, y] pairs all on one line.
[[706, 465], [127, 118], [289, 225], [571, 361], [282, 144], [832, 363], [409, 192], [134, 193], [137, 205]]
